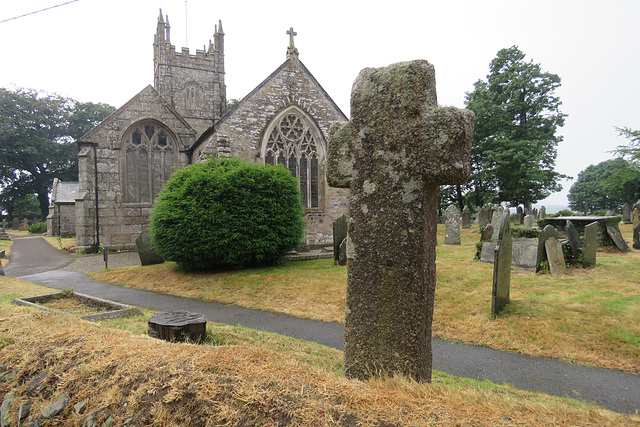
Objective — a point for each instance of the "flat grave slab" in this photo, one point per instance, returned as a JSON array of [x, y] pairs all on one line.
[[99, 309]]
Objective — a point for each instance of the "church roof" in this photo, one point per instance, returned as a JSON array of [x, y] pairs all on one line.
[[64, 192], [148, 91], [265, 82]]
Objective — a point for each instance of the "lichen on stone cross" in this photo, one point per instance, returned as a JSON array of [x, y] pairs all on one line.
[[393, 154]]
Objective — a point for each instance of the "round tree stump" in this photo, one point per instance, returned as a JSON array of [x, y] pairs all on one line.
[[178, 326]]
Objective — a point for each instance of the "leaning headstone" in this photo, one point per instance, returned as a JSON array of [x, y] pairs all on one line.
[[546, 233], [635, 219], [636, 237], [555, 255], [530, 221], [626, 213], [519, 216], [502, 268], [543, 212], [488, 252], [392, 217], [574, 239], [452, 226], [486, 233], [148, 256], [614, 232], [339, 234], [590, 245], [483, 217], [466, 217], [15, 224]]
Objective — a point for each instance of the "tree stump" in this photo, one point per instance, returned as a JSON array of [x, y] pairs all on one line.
[[178, 326]]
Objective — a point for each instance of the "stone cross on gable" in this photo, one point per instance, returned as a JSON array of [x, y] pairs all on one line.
[[291, 50], [393, 154]]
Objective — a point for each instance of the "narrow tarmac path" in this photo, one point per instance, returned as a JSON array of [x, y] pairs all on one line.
[[34, 260]]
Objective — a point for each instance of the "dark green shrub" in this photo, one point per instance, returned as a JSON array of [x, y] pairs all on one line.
[[521, 232], [38, 228], [226, 213]]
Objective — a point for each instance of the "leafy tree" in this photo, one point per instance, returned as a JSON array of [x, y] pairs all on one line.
[[630, 152], [232, 103], [36, 141], [226, 213], [607, 185], [515, 143]]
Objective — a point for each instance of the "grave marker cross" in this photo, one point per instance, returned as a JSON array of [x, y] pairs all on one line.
[[393, 154]]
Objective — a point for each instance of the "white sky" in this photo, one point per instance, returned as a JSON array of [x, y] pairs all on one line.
[[101, 51]]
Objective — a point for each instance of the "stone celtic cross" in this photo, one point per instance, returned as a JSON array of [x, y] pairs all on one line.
[[393, 154]]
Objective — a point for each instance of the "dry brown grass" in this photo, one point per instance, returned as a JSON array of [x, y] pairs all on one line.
[[589, 316], [159, 383]]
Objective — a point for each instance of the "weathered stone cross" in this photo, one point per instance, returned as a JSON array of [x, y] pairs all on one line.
[[396, 150]]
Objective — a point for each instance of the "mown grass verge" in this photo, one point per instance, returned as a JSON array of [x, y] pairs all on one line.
[[589, 316]]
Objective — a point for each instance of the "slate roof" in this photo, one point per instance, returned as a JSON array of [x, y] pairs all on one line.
[[65, 192]]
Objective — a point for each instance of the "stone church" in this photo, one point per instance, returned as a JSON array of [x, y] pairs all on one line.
[[182, 119]]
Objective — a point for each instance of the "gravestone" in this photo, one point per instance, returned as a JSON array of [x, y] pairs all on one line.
[[523, 253], [519, 216], [24, 225], [543, 212], [555, 255], [547, 232], [339, 234], [483, 217], [4, 235], [5, 223], [590, 244], [178, 326], [614, 232], [392, 219], [626, 213], [502, 268], [497, 220], [486, 233], [636, 237], [530, 221], [574, 239], [15, 224], [635, 219], [148, 256], [452, 226], [466, 217], [342, 253]]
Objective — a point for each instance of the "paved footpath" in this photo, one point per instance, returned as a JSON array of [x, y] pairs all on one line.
[[34, 260]]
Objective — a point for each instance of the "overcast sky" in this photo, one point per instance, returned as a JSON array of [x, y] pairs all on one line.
[[102, 51]]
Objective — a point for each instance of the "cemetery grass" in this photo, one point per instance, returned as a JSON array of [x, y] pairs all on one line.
[[239, 377], [589, 316]]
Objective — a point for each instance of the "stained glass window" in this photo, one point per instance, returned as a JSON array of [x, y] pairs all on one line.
[[148, 161], [292, 144]]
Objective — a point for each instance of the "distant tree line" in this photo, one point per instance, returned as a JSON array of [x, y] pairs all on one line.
[[37, 144]]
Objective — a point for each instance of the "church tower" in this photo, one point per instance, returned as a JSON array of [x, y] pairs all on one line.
[[192, 84]]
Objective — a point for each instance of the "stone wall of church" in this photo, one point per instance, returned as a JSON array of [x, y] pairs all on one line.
[[241, 133], [120, 222]]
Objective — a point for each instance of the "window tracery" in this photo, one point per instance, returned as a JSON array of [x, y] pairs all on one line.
[[291, 143], [148, 160]]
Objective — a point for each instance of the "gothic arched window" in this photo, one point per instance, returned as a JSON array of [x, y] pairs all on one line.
[[291, 143], [149, 155], [191, 97]]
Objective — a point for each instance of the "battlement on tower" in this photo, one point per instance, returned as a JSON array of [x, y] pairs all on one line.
[[192, 83]]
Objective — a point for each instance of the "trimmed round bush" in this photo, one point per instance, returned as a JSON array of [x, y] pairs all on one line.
[[227, 214]]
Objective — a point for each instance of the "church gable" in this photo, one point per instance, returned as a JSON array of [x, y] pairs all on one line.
[[241, 132]]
